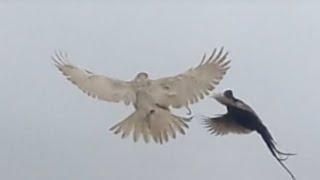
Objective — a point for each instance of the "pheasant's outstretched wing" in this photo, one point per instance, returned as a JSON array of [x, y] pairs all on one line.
[[223, 125], [96, 86], [187, 88]]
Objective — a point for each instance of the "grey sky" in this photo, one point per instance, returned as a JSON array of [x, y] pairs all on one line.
[[51, 130]]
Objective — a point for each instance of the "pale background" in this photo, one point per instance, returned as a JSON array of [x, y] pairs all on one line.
[[50, 130]]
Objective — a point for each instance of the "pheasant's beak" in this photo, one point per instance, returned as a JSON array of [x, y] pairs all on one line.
[[221, 98], [216, 95]]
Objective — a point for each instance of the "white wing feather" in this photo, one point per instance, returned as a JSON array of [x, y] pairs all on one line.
[[189, 87], [96, 86]]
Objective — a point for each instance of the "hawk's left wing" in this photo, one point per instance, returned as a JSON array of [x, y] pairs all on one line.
[[187, 88]]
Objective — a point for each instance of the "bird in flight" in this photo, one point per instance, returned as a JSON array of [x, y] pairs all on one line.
[[241, 119], [152, 99]]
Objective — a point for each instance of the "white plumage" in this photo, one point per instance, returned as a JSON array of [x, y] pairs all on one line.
[[152, 99]]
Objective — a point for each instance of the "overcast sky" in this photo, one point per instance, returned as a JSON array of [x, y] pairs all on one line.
[[51, 130]]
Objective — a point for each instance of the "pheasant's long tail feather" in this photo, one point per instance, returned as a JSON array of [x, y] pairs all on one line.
[[266, 136]]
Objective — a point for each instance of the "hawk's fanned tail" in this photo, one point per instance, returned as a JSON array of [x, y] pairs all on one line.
[[158, 124]]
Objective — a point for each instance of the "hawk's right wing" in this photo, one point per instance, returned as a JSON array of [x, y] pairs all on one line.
[[96, 86]]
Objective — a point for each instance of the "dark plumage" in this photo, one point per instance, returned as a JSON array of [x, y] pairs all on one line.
[[241, 119]]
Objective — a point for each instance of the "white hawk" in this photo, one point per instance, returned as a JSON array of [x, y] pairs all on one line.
[[151, 99]]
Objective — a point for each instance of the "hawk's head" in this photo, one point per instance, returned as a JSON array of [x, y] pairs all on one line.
[[141, 77]]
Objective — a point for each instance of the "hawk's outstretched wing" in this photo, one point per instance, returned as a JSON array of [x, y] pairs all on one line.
[[96, 86], [187, 88]]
